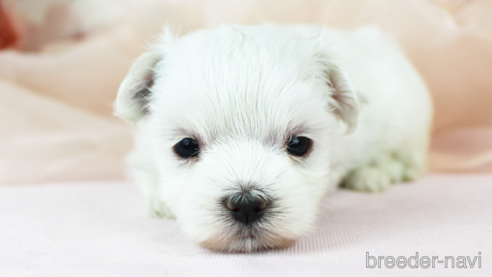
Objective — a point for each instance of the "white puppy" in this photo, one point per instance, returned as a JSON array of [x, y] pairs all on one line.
[[241, 130]]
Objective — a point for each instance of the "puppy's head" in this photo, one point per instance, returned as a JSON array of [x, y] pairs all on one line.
[[239, 122]]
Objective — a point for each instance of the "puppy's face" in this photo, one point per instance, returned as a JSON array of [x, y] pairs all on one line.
[[239, 122]]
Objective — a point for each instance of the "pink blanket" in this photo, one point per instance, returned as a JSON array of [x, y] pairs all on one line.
[[55, 103]]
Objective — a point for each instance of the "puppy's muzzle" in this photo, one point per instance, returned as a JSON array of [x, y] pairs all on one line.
[[246, 208]]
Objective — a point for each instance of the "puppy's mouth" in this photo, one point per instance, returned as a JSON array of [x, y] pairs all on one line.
[[246, 245], [247, 240]]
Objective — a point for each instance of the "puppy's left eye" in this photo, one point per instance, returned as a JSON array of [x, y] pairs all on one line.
[[187, 148], [299, 146]]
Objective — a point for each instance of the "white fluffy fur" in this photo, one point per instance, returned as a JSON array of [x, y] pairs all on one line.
[[242, 92]]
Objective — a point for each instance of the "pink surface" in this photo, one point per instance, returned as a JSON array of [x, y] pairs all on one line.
[[99, 229]]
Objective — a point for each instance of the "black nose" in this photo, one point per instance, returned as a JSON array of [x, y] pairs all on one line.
[[246, 208]]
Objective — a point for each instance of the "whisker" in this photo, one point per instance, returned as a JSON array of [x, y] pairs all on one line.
[[324, 206]]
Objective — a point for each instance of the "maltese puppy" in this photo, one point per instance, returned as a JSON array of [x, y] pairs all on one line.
[[242, 130]]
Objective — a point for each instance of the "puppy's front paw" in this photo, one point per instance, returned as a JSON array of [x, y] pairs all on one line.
[[376, 177], [156, 208], [369, 179]]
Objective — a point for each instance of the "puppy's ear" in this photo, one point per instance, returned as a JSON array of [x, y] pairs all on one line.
[[343, 99], [135, 91]]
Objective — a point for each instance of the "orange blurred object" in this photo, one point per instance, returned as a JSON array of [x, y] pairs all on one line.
[[8, 34]]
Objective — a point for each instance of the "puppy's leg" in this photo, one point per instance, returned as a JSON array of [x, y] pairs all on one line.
[[375, 176], [403, 165], [414, 159], [147, 182], [153, 204]]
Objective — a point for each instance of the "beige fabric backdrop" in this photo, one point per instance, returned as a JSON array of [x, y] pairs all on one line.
[[55, 103]]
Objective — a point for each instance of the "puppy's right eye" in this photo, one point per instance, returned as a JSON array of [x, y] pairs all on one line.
[[187, 148]]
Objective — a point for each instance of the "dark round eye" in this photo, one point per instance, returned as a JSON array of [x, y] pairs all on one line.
[[299, 146], [187, 148]]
